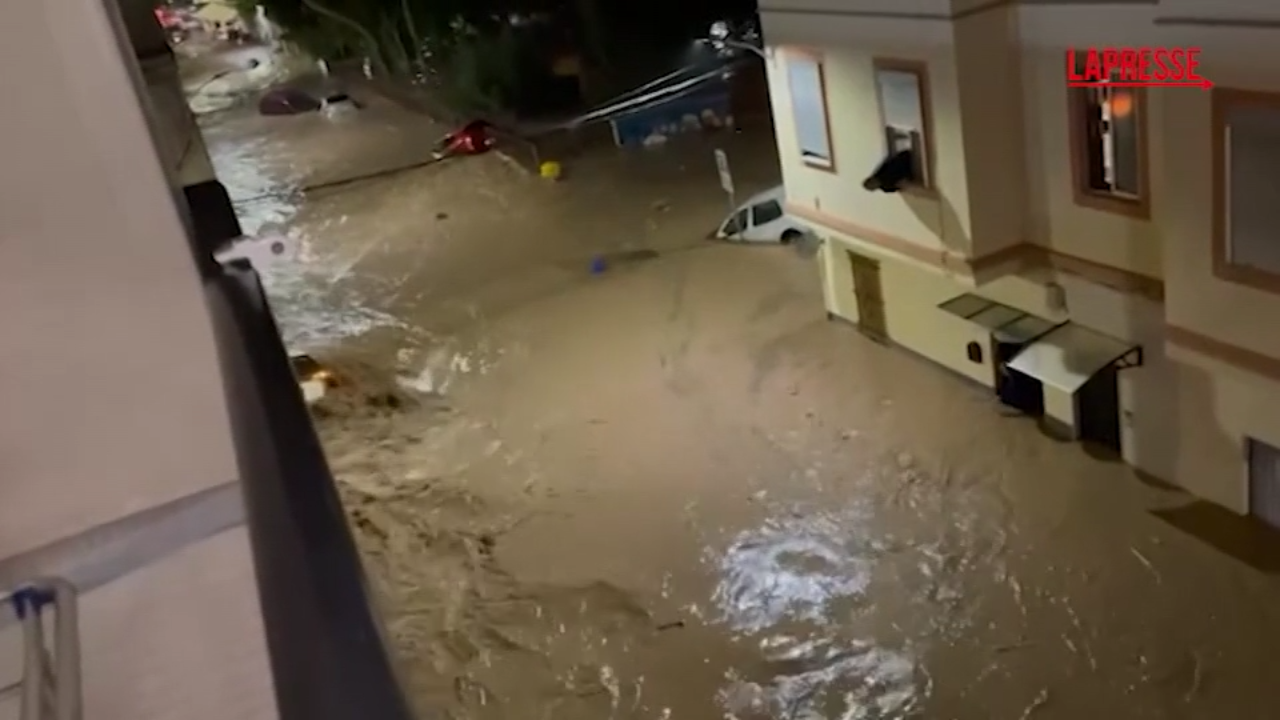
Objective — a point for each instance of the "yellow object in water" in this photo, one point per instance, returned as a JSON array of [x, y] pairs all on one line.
[[550, 170]]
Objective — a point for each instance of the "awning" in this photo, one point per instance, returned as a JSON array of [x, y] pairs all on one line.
[[1007, 323], [1067, 357], [217, 12]]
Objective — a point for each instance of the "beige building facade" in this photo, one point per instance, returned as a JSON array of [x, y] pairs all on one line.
[[1100, 257]]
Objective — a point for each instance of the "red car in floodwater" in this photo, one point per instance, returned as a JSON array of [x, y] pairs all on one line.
[[169, 19], [471, 139]]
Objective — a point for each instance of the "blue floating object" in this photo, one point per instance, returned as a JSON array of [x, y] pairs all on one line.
[[598, 265]]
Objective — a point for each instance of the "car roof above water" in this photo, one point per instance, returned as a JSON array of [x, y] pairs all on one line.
[[778, 192]]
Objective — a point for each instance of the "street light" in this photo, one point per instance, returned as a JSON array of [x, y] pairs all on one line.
[[726, 45], [720, 37]]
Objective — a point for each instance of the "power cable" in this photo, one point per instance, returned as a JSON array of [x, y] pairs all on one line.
[[685, 89], [647, 100], [330, 184], [633, 101], [649, 85]]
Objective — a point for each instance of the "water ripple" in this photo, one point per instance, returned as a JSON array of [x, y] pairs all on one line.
[[791, 568]]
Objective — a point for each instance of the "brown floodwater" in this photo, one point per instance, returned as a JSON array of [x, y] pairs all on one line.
[[675, 490]]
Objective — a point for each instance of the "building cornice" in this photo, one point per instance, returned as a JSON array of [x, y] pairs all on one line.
[[1021, 258]]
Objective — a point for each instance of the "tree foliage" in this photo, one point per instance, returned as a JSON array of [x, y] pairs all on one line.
[[354, 23], [471, 45], [468, 44]]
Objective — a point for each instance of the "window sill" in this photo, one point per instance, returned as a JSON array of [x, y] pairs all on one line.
[[1136, 208], [816, 164], [920, 191], [1246, 275]]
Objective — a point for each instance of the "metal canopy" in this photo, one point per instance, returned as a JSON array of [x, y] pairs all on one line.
[[1007, 323], [1069, 355], [966, 305]]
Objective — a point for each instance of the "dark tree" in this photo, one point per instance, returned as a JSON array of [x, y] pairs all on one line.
[[474, 50]]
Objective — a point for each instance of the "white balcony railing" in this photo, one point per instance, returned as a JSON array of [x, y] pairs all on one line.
[[49, 687]]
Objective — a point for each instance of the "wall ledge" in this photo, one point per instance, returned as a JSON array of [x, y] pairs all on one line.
[[974, 271], [1182, 340]]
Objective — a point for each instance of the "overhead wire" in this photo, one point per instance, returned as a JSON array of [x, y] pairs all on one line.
[[650, 94], [676, 92], [649, 99], [633, 92], [646, 96]]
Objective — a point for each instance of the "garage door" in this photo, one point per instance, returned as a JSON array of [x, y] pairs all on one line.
[[1264, 482]]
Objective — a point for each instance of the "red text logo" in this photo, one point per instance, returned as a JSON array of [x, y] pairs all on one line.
[[1135, 67]]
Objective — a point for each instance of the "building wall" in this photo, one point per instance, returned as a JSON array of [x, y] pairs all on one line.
[[1149, 420], [1148, 399], [911, 297], [1203, 407], [912, 293], [112, 391], [1219, 406], [1222, 9], [1190, 407], [1223, 332], [1000, 142], [1056, 220], [934, 225], [989, 113], [1197, 300], [1002, 149]]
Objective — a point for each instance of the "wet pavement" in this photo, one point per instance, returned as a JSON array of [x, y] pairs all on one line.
[[675, 490]]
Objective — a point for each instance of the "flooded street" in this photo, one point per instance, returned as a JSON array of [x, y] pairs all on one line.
[[675, 490]]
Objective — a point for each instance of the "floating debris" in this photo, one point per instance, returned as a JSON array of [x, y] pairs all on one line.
[[1038, 703], [1147, 564]]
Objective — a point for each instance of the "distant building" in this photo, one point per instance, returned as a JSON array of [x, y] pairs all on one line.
[[1108, 258], [216, 15]]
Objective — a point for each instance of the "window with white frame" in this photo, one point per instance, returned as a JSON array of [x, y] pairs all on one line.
[[1251, 186], [809, 109], [1110, 119], [1107, 124], [901, 90]]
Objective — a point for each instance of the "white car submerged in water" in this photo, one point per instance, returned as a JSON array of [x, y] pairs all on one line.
[[339, 105], [762, 219]]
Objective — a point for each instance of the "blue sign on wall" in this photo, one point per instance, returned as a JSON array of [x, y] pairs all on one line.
[[698, 111]]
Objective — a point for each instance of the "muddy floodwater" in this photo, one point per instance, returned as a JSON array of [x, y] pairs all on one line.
[[675, 490]]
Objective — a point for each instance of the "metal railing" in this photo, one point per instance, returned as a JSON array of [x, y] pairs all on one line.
[[329, 658], [49, 688], [325, 638]]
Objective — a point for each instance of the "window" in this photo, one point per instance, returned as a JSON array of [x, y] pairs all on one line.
[[1264, 481], [766, 212], [809, 108], [736, 224], [902, 89], [1108, 145], [1247, 184]]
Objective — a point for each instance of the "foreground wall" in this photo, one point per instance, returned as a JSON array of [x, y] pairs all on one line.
[[112, 395]]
